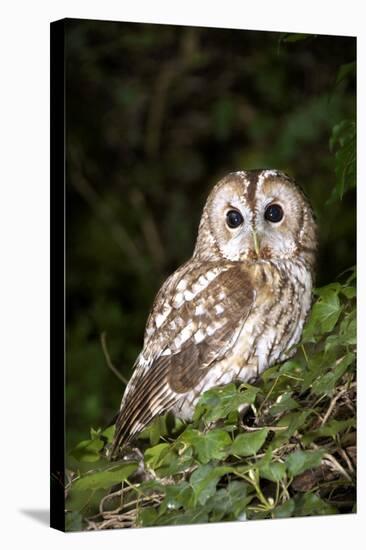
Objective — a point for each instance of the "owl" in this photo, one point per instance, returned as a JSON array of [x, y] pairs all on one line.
[[235, 308]]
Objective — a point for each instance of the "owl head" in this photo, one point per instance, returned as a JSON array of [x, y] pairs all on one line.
[[257, 215]]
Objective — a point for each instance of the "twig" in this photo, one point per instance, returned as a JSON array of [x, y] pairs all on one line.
[[332, 405], [148, 227], [345, 456], [120, 493], [336, 466], [271, 428], [108, 359], [305, 354]]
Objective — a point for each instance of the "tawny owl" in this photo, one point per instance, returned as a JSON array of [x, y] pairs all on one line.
[[235, 308]]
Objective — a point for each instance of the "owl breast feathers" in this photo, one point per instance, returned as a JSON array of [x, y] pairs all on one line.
[[235, 308]]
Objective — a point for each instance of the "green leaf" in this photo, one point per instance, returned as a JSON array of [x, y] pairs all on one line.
[[73, 521], [105, 478], [270, 374], [155, 429], [204, 480], [345, 70], [291, 367], [230, 502], [108, 433], [291, 422], [147, 517], [248, 444], [156, 456], [188, 517], [284, 403], [316, 367], [285, 510], [85, 501], [207, 446], [343, 145], [327, 382], [177, 496], [330, 429], [327, 310], [328, 290], [310, 504], [274, 471], [88, 450], [218, 403], [271, 470], [349, 292], [348, 330], [299, 461]]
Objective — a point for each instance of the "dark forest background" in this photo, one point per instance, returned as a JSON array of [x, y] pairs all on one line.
[[155, 116]]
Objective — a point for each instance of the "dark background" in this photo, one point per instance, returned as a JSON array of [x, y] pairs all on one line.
[[155, 116]]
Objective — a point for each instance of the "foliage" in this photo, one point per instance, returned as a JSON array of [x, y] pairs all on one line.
[[292, 453], [156, 114], [343, 144], [145, 143]]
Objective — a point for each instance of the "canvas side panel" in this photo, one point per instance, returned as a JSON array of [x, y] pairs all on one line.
[[57, 377]]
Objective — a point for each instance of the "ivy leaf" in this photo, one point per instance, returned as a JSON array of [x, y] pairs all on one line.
[[218, 403], [156, 456], [291, 422], [274, 471], [327, 310], [177, 496], [88, 450], [299, 461], [310, 504], [325, 291], [86, 492], [230, 502], [73, 521], [196, 515], [345, 70], [207, 446], [248, 444], [326, 383], [204, 480], [343, 145], [85, 501], [284, 403], [108, 433], [285, 510], [164, 459], [291, 367], [348, 329], [147, 516], [330, 429], [324, 314], [105, 478], [349, 292]]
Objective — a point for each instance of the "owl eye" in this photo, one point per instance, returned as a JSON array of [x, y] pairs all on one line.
[[274, 213], [234, 218]]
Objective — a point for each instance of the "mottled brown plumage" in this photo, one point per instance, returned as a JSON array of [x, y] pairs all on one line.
[[235, 308]]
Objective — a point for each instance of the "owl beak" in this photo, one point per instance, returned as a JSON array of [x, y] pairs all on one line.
[[255, 242]]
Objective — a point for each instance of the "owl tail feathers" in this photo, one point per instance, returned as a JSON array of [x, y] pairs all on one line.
[[122, 439], [129, 424]]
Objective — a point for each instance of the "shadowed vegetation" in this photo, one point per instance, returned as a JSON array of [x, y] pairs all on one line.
[[155, 116]]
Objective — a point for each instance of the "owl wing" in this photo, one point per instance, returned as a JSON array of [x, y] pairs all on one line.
[[195, 321]]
